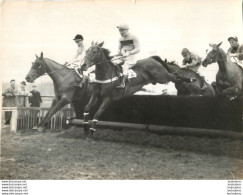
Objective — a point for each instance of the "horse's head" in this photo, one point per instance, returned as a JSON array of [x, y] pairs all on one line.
[[93, 55], [37, 69], [213, 55]]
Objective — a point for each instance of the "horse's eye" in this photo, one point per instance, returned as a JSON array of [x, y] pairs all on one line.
[[39, 66]]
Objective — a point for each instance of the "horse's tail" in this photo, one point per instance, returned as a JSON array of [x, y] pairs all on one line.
[[158, 59]]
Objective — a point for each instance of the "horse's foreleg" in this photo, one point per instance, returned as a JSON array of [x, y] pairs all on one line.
[[58, 105], [41, 123], [231, 92], [93, 100], [106, 102]]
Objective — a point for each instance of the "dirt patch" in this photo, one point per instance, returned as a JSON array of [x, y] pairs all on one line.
[[118, 155]]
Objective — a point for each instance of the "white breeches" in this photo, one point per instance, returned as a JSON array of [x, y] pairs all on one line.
[[130, 61]]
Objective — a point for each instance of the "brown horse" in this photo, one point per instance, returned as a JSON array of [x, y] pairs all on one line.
[[107, 78], [229, 77], [185, 88], [64, 80]]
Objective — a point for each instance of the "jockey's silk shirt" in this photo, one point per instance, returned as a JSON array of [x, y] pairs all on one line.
[[127, 43], [195, 59], [238, 50]]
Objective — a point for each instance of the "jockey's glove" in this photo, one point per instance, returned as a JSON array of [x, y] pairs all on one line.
[[126, 53]]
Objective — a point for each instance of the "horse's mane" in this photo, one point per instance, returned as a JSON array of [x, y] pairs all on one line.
[[107, 53], [52, 61]]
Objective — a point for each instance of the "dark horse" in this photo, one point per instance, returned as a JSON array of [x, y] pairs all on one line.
[[229, 76], [185, 88], [64, 80], [148, 71]]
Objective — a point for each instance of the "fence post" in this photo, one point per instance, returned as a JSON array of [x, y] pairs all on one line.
[[14, 118]]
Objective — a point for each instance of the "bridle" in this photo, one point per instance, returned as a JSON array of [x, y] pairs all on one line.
[[43, 63], [102, 61], [216, 57]]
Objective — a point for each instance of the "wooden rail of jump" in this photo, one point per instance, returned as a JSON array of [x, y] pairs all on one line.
[[165, 130]]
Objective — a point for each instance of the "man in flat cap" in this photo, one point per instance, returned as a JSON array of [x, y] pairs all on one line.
[[23, 95], [10, 100], [236, 50], [35, 99], [128, 47]]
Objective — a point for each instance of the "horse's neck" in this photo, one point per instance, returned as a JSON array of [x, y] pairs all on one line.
[[224, 62], [53, 69], [104, 69]]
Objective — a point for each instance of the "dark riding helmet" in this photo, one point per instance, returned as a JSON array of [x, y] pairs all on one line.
[[184, 52], [78, 37]]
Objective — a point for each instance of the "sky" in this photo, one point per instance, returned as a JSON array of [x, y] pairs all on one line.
[[163, 27]]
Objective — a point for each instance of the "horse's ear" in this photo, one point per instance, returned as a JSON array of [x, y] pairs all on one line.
[[210, 44], [36, 56], [166, 60], [206, 51], [92, 43], [219, 44], [101, 44], [41, 56]]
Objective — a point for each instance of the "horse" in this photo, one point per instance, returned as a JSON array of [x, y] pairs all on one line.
[[107, 79], [229, 76], [64, 80], [185, 88]]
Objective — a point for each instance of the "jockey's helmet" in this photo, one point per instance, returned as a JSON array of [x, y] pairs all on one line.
[[184, 52], [123, 27], [78, 37]]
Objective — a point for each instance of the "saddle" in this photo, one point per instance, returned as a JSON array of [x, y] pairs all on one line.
[[119, 72], [80, 79]]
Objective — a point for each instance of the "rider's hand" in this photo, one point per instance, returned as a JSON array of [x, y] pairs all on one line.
[[125, 54]]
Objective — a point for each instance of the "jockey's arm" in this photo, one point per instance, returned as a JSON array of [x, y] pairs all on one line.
[[240, 55], [193, 63], [136, 47], [75, 58]]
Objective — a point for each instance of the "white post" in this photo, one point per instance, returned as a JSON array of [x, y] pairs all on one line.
[[14, 118]]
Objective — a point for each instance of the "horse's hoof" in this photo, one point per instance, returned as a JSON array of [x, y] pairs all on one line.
[[41, 129]]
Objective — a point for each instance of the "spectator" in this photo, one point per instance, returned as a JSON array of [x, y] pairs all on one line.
[[23, 95], [10, 100], [35, 100]]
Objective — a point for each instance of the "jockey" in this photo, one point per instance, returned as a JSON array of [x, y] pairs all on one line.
[[128, 47], [236, 50], [193, 61], [77, 60]]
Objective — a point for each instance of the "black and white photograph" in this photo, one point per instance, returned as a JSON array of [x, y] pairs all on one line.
[[126, 90]]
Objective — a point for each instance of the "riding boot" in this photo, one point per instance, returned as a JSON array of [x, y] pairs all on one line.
[[123, 82], [204, 84]]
